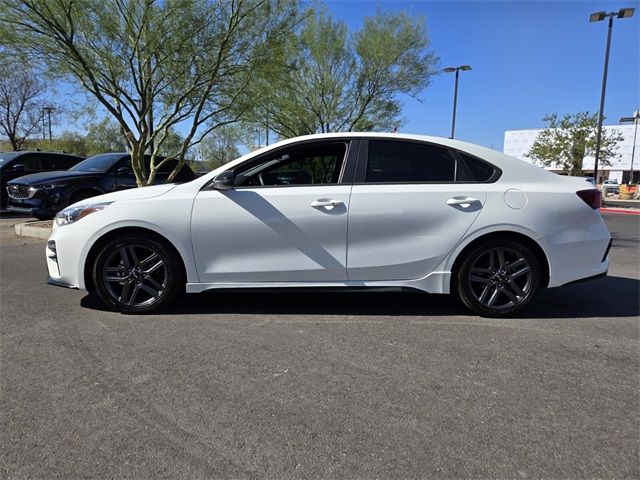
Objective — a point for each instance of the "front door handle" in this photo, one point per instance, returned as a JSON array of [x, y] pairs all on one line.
[[464, 202], [325, 203]]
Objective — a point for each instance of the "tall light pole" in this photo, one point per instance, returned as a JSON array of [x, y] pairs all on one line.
[[598, 17], [455, 93], [48, 110], [634, 119]]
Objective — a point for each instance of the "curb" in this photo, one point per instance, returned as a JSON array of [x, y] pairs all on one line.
[[624, 211], [40, 230]]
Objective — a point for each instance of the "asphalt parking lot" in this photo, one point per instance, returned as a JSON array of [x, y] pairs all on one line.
[[301, 385]]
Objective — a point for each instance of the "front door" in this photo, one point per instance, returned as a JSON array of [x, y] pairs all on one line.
[[285, 221]]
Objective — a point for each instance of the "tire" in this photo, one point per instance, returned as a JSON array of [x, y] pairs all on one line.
[[137, 274], [497, 278]]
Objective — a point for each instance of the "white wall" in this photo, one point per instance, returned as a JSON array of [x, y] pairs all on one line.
[[518, 142]]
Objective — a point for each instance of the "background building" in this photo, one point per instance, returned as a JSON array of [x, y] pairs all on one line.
[[519, 142]]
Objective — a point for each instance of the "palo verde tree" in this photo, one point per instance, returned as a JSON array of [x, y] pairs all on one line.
[[153, 65], [328, 79], [566, 141], [22, 98]]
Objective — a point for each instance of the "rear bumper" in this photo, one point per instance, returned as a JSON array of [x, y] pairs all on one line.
[[578, 252], [588, 279]]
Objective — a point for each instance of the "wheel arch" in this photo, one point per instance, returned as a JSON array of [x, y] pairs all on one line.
[[505, 235], [103, 239]]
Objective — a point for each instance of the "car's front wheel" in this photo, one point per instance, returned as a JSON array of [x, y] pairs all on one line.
[[498, 278], [137, 274]]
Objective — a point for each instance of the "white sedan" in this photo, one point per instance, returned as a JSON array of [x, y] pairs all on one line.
[[340, 210]]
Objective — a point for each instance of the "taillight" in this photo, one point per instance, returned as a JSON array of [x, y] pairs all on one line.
[[592, 197]]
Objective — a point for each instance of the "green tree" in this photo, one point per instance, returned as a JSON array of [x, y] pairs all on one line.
[[104, 136], [153, 64], [221, 146], [566, 141], [70, 142], [326, 79]]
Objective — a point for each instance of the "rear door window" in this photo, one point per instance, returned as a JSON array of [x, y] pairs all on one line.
[[408, 162]]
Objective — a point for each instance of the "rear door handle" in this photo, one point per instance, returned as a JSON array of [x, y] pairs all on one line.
[[325, 203], [464, 202]]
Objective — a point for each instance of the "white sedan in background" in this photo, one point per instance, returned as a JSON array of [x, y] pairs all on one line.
[[340, 210]]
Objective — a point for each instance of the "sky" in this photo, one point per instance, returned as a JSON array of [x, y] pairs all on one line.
[[528, 59]]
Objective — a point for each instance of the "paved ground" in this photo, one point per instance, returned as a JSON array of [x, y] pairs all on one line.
[[328, 385]]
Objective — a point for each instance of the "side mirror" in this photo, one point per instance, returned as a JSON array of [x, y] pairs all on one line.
[[18, 167], [224, 181], [123, 171]]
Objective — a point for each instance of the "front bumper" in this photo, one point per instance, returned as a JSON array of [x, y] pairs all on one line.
[[65, 253], [57, 283], [41, 204]]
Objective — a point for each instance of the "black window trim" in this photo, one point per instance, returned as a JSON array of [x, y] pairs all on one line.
[[363, 158], [347, 170]]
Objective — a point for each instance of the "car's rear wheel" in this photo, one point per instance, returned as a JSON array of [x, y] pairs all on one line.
[[137, 274], [497, 278]]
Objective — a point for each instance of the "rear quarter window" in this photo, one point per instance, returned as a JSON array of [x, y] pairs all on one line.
[[472, 169]]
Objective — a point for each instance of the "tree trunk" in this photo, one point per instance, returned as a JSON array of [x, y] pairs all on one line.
[[14, 143]]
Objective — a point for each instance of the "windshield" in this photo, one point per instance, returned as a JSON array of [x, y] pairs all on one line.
[[7, 157], [99, 163]]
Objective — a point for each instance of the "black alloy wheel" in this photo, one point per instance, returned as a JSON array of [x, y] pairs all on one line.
[[498, 278], [137, 274]]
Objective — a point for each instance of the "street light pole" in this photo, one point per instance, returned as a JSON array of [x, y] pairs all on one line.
[[455, 93], [455, 104], [597, 17], [49, 110], [634, 119]]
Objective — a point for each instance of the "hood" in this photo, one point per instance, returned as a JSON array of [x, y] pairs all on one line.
[[59, 176], [131, 194]]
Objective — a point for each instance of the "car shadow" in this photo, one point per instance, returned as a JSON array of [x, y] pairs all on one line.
[[605, 297]]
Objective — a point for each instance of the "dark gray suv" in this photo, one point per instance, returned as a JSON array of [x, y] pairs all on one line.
[[20, 163]]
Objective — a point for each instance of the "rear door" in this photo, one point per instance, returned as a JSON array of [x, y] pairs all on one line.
[[411, 203]]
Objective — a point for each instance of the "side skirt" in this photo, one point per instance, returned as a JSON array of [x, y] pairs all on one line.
[[435, 282]]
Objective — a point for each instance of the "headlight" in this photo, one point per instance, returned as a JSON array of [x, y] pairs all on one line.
[[73, 214], [50, 186]]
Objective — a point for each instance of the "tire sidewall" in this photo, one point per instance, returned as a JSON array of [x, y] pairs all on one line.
[[463, 290]]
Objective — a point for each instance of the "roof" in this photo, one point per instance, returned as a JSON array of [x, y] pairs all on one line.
[[506, 163]]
